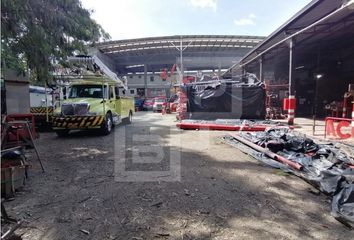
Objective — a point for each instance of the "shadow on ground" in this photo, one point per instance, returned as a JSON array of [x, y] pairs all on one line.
[[221, 195]]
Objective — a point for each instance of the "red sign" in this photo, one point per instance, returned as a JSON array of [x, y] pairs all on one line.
[[338, 127]]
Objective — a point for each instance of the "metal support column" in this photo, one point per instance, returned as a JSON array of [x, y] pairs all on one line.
[[243, 71], [181, 56], [46, 103], [145, 79], [291, 108], [261, 68], [181, 49]]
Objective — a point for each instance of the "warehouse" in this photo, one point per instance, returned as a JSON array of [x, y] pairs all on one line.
[[147, 63], [215, 158], [311, 55]]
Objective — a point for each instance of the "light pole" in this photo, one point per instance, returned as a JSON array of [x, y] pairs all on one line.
[[318, 76]]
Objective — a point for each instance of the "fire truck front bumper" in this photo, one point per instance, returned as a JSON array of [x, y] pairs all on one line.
[[77, 122]]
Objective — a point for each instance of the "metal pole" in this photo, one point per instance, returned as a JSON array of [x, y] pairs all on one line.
[[145, 80], [314, 107], [261, 68], [291, 109], [290, 66], [181, 49], [46, 103], [103, 99], [315, 95], [34, 145], [181, 55]]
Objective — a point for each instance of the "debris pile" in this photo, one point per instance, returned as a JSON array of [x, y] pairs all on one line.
[[328, 167]]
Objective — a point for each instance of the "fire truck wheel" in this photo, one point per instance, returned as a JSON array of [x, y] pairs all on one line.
[[130, 118], [107, 125]]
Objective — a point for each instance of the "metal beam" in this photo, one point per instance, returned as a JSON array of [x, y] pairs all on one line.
[[344, 6]]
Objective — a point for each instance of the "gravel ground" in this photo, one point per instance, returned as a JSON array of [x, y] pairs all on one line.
[[198, 188]]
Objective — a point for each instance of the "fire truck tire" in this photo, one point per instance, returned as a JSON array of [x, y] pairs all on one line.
[[129, 119], [107, 124]]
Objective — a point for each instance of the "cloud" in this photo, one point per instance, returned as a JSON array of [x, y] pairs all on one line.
[[252, 15], [213, 4], [243, 22], [246, 21], [135, 19]]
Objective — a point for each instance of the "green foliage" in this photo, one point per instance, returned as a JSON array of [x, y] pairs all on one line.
[[37, 33]]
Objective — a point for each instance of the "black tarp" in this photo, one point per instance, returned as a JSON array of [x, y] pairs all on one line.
[[326, 166], [343, 203], [227, 99]]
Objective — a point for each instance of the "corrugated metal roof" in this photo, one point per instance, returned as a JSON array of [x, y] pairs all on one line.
[[202, 52], [207, 42], [338, 24]]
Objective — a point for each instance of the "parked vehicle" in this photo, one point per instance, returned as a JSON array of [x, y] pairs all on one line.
[[159, 104], [41, 104], [93, 103], [139, 104], [148, 104]]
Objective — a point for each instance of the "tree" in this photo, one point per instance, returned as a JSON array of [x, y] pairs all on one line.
[[37, 33]]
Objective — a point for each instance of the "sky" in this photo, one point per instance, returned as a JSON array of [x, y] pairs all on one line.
[[126, 19]]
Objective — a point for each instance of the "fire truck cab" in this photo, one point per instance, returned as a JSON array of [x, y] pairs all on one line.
[[93, 103]]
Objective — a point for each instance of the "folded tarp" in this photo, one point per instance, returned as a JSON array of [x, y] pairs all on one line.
[[227, 99]]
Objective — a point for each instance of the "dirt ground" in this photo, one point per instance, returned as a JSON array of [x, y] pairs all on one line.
[[201, 189]]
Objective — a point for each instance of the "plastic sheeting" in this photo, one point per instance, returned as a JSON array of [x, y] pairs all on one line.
[[343, 203], [228, 99], [326, 166]]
